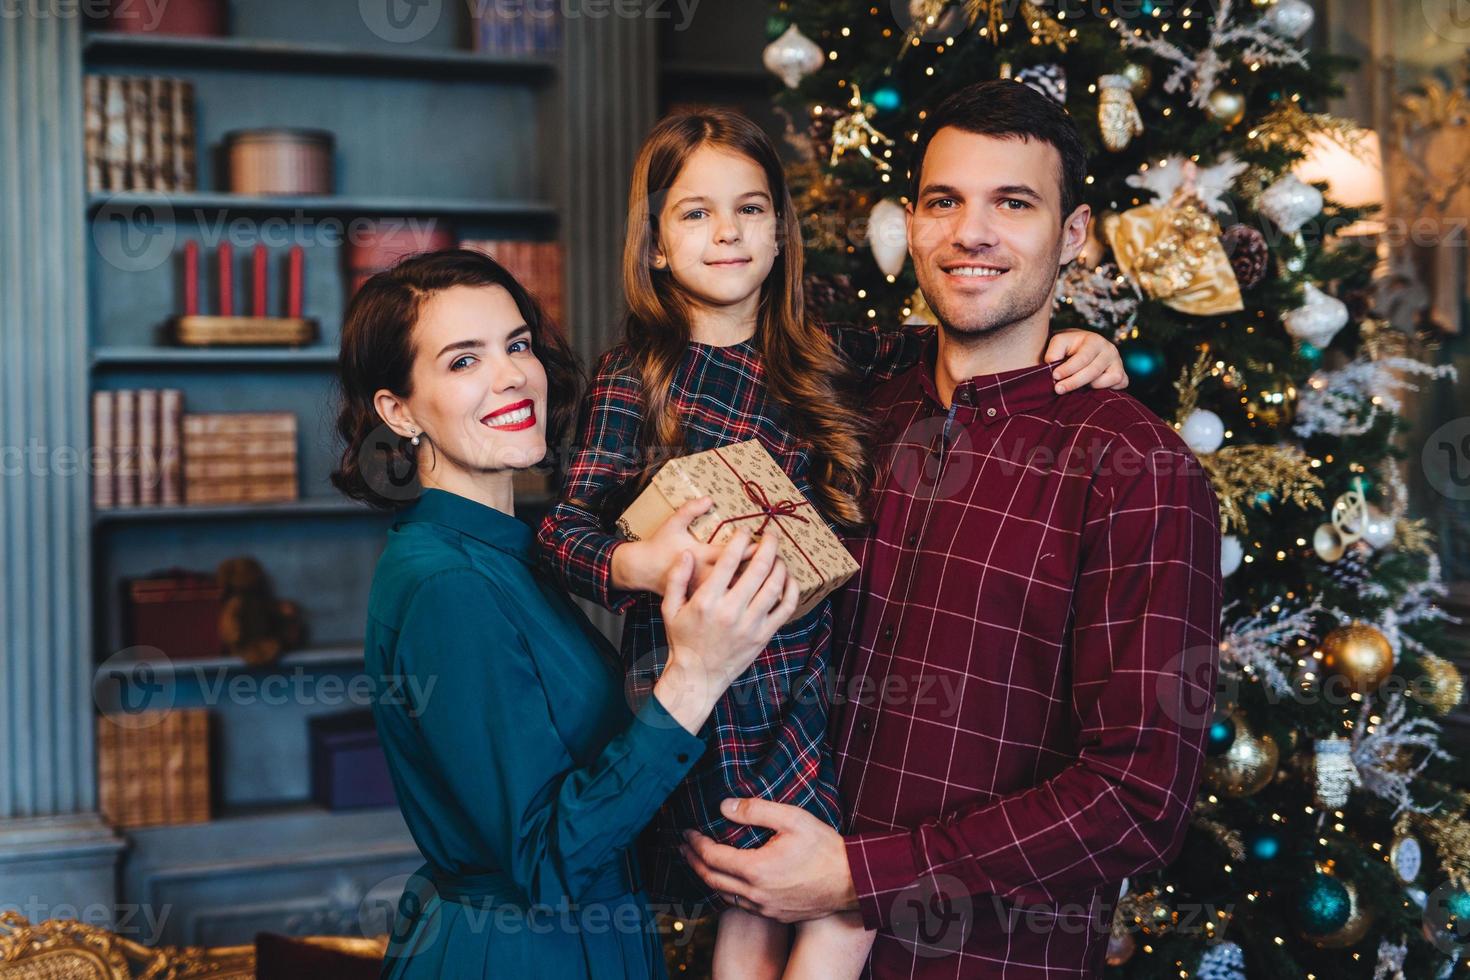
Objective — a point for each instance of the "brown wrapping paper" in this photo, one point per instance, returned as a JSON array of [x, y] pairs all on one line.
[[750, 491]]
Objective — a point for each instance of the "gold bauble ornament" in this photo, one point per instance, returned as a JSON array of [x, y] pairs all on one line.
[[1360, 917], [1226, 106], [1247, 766], [1139, 77], [1443, 686], [1359, 653]]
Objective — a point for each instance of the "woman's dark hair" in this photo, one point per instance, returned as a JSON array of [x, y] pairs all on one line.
[[1009, 109], [378, 466]]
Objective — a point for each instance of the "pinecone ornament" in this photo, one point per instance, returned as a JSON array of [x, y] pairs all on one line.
[[1246, 248], [826, 294]]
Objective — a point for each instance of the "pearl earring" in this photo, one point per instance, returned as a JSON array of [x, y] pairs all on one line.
[[415, 439], [658, 261]]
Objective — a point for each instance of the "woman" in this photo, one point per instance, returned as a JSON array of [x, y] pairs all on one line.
[[522, 773]]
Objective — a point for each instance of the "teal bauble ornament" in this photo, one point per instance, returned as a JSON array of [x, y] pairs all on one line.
[[886, 99], [1323, 906], [1263, 845], [1311, 354], [1143, 362], [776, 26], [1221, 735]]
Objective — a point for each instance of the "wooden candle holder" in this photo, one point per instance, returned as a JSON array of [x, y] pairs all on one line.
[[243, 331]]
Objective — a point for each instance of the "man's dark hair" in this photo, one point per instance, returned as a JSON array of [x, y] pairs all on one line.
[[1006, 108]]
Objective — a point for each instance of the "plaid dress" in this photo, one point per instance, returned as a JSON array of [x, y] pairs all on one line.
[[769, 731]]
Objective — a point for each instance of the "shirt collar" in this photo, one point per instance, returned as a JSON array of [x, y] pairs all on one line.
[[993, 397], [479, 521]]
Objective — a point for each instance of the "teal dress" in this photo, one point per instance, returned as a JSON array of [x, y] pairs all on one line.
[[523, 774]]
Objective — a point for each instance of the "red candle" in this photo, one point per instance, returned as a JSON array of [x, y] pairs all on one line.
[[226, 280], [293, 288], [258, 308], [191, 278]]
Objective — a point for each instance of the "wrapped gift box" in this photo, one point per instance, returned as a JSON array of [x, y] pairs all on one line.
[[750, 491], [348, 768]]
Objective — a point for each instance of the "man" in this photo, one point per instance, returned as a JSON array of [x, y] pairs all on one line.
[[1030, 650]]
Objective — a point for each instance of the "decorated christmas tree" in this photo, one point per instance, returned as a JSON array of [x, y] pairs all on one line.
[[1330, 838]]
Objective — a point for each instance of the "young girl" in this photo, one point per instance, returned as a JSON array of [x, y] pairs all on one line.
[[718, 350]]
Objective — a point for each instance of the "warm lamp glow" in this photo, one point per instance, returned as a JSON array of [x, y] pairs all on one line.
[[1353, 172]]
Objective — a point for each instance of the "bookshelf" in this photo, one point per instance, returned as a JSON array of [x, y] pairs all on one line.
[[271, 858]]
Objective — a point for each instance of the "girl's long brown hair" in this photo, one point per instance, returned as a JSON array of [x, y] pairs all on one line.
[[803, 371]]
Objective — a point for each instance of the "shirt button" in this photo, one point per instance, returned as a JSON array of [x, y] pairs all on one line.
[[682, 757], [865, 726], [990, 412], [913, 539], [888, 632]]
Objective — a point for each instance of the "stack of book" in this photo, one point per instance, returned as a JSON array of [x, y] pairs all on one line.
[[153, 768], [137, 442], [536, 265], [240, 457], [140, 133], [504, 27]]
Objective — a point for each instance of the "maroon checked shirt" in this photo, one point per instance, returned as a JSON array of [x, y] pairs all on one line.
[[1026, 672]]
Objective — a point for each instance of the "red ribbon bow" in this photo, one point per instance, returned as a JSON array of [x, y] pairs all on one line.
[[768, 510]]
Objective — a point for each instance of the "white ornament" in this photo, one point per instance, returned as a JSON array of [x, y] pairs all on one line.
[[1225, 961], [1290, 203], [1289, 18], [1318, 319], [1230, 555], [1203, 431], [888, 236], [1336, 773], [792, 56], [1378, 529]]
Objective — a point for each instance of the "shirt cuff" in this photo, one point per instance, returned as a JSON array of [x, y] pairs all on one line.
[[883, 869], [613, 599], [657, 737]]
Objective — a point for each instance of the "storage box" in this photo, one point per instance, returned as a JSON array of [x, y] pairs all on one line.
[[176, 611], [348, 768], [279, 161], [751, 491]]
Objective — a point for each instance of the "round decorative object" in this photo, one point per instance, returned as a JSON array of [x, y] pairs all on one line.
[[1049, 79], [1223, 961], [1289, 18], [1290, 203], [1121, 947], [1231, 554], [1443, 686], [1139, 77], [1406, 857], [1263, 845], [1220, 735], [888, 236], [1359, 918], [1143, 362], [887, 99], [1323, 906], [1248, 765], [1328, 543], [1360, 654], [1310, 353], [1318, 319], [1378, 529], [1203, 431], [792, 56], [1226, 106], [1249, 257]]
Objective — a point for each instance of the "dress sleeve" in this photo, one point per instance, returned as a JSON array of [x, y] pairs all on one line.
[[552, 825], [576, 545], [879, 352]]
